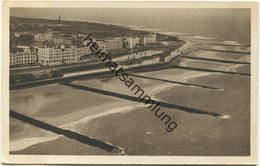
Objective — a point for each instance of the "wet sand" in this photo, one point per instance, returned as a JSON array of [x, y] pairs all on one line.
[[137, 130]]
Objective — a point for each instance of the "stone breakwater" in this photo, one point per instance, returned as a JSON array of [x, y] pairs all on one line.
[[176, 54]]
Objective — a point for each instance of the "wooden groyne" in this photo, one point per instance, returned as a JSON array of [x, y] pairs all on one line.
[[229, 51]]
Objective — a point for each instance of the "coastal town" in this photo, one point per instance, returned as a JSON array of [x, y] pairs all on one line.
[[49, 47], [54, 48]]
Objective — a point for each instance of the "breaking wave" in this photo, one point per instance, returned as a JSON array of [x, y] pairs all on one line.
[[223, 116], [21, 144], [123, 109]]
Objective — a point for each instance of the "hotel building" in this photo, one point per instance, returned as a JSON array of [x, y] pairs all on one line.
[[47, 36], [102, 44], [149, 39], [41, 37], [50, 56], [113, 43], [23, 56], [132, 41], [63, 40]]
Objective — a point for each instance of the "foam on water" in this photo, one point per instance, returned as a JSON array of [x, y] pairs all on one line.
[[223, 116], [21, 144], [123, 109]]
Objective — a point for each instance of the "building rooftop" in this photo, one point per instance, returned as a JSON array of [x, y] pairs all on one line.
[[15, 50], [65, 37], [106, 38]]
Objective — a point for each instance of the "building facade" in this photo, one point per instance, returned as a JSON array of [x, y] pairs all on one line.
[[102, 45], [23, 56], [113, 43], [41, 37], [58, 56], [63, 40], [149, 39], [83, 51], [132, 41]]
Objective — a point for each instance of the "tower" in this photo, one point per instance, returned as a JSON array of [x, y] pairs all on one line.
[[59, 18]]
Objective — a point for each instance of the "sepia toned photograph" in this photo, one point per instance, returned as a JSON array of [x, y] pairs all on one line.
[[118, 80]]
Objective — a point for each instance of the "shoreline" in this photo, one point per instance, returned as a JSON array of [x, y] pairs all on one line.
[[122, 109], [175, 55]]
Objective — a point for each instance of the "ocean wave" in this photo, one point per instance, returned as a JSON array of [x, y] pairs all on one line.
[[231, 42], [184, 77], [21, 144], [123, 109], [164, 87], [202, 37], [224, 116]]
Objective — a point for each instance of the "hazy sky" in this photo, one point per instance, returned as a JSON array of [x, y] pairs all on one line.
[[129, 15], [200, 21]]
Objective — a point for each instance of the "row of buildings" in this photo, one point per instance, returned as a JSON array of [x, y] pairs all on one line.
[[55, 37], [68, 50], [48, 56], [133, 41], [23, 56], [58, 56], [111, 43]]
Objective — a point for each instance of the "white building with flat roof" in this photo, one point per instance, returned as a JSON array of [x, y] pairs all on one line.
[[149, 39], [101, 45], [41, 37], [132, 41], [63, 40], [58, 56], [110, 43], [113, 43], [23, 56], [46, 36]]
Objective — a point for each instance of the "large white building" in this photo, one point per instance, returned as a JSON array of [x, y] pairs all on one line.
[[50, 56], [63, 40], [41, 37], [23, 56], [132, 41], [150, 39], [113, 43], [47, 36], [101, 45]]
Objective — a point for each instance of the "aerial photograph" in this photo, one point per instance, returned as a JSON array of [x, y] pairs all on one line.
[[129, 81]]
